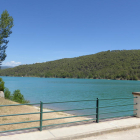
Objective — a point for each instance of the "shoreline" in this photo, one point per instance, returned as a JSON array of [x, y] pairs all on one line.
[[76, 78], [61, 113], [47, 110]]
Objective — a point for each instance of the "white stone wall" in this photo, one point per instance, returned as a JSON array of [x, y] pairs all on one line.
[[2, 94]]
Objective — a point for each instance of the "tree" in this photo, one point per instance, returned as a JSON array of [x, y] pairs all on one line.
[[7, 93], [1, 84], [6, 23], [18, 97]]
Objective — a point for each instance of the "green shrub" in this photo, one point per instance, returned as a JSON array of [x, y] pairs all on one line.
[[7, 93], [1, 85], [18, 97]]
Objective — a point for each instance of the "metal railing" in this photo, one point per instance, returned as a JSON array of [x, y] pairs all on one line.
[[96, 109]]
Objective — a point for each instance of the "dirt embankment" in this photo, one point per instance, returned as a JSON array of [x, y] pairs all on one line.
[[29, 109]]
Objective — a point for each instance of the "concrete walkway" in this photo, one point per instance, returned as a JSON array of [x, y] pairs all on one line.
[[79, 131], [132, 134]]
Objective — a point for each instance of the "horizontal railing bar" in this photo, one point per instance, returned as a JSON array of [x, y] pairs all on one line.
[[63, 102], [19, 114], [68, 110], [118, 111], [117, 98], [18, 129], [117, 105], [19, 104], [68, 101], [69, 117], [19, 122], [67, 123], [119, 116]]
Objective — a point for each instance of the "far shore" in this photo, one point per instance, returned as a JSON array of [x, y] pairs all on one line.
[[76, 78]]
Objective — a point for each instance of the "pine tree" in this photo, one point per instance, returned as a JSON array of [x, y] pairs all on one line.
[[6, 23]]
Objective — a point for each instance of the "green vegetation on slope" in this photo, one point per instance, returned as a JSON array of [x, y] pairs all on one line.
[[116, 64]]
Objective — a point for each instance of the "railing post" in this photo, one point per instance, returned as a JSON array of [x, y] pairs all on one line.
[[97, 110], [41, 108]]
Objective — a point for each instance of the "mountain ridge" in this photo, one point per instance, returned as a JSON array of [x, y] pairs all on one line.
[[115, 64]]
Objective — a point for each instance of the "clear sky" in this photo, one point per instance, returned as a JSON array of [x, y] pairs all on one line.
[[46, 30]]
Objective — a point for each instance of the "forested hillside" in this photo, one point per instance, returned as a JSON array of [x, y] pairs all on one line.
[[117, 64]]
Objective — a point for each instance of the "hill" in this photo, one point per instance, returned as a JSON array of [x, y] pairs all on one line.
[[116, 64], [6, 67]]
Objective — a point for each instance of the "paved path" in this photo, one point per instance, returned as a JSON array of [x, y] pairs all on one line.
[[86, 131]]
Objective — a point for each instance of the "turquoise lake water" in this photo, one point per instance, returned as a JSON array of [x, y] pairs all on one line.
[[59, 89]]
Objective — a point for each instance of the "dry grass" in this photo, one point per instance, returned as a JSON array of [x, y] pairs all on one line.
[[22, 118]]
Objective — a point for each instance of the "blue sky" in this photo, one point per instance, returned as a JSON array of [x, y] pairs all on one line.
[[46, 30]]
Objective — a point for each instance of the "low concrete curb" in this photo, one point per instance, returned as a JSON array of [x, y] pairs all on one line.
[[90, 134]]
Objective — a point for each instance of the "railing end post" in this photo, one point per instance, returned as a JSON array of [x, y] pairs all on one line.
[[137, 104]]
